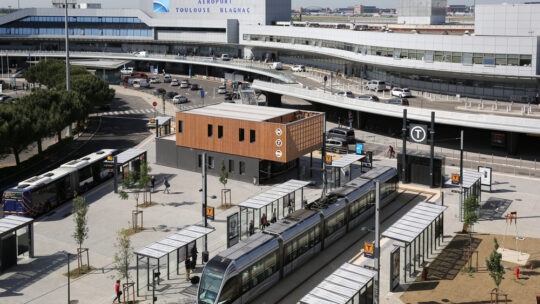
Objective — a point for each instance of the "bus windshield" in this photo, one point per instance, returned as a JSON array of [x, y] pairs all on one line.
[[14, 195], [211, 279]]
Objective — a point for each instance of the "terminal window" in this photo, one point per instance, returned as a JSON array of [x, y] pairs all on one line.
[[220, 132], [231, 165], [210, 131], [242, 169], [180, 126], [251, 136], [241, 134]]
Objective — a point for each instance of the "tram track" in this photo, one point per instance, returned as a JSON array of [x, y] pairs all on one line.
[[353, 239]]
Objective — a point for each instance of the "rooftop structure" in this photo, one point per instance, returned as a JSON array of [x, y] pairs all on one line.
[[421, 11]]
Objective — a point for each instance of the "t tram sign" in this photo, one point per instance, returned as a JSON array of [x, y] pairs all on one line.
[[418, 133]]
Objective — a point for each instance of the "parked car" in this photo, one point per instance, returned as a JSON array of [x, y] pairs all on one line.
[[184, 84], [170, 95], [398, 101], [369, 97], [277, 66], [167, 78], [229, 96], [140, 83], [175, 82], [336, 145], [159, 91], [222, 89], [195, 87], [346, 94], [298, 68], [155, 80], [5, 98], [180, 99], [141, 54], [343, 133], [126, 71], [225, 57], [399, 92], [376, 85]]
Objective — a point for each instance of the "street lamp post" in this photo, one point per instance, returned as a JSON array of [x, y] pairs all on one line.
[[68, 275], [68, 83], [376, 249]]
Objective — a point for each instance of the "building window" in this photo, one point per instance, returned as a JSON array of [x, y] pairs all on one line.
[[241, 134], [242, 168], [211, 162], [251, 136], [231, 165], [200, 160], [220, 131], [210, 131], [180, 126]]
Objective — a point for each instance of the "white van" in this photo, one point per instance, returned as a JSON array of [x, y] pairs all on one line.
[[277, 66], [376, 85], [225, 57], [140, 83], [141, 54]]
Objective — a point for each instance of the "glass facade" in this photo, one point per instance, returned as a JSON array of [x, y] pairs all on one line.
[[78, 26], [398, 53]]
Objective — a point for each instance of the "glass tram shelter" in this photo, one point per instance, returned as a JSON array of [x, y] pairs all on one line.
[[166, 256], [419, 229], [349, 284], [163, 124], [472, 185], [278, 197], [16, 238], [340, 171], [129, 160]]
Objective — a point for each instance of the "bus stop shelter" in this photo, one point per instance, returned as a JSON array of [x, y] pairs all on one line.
[[349, 284], [472, 185], [340, 171], [278, 198], [123, 163], [167, 255], [163, 124], [419, 229], [16, 238]]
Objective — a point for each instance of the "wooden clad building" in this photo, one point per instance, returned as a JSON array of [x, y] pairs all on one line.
[[254, 142]]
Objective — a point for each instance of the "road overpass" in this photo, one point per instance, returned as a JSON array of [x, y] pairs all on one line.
[[452, 118]]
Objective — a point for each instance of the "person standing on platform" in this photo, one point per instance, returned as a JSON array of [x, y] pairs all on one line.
[[194, 253], [251, 228], [187, 264]]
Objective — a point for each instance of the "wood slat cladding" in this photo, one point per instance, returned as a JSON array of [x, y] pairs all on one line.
[[300, 133]]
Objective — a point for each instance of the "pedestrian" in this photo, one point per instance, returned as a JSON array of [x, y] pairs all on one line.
[[187, 263], [194, 253], [117, 291], [537, 98], [251, 228], [289, 208], [167, 186], [153, 182], [274, 217], [264, 223]]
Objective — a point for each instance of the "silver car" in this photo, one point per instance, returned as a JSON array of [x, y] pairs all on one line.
[[175, 83]]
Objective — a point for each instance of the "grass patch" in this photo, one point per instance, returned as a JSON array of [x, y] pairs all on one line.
[[225, 207], [468, 271], [518, 282], [75, 273], [147, 205], [130, 231]]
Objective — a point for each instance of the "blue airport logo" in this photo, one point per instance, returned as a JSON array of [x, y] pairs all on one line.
[[161, 6]]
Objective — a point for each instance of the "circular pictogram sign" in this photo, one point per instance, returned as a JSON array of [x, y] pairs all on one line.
[[418, 134], [154, 103], [279, 132], [279, 143], [279, 153]]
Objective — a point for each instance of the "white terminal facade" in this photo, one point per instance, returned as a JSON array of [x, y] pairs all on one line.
[[497, 58]]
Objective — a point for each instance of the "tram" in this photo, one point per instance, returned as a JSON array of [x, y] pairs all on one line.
[[39, 194], [246, 270]]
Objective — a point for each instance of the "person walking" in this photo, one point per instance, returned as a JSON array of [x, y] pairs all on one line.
[[263, 221], [153, 183], [537, 98], [117, 291], [167, 186], [187, 264], [289, 208], [194, 253], [251, 227], [274, 217]]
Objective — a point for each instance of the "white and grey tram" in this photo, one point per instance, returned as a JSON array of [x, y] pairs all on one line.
[[247, 269]]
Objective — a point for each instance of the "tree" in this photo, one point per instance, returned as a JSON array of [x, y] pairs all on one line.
[[80, 217], [494, 266], [140, 180], [224, 177], [470, 208], [16, 131], [123, 256], [94, 89]]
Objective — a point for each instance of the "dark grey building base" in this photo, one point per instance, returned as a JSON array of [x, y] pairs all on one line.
[[240, 168]]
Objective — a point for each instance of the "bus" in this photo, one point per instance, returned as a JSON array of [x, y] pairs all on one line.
[[39, 194]]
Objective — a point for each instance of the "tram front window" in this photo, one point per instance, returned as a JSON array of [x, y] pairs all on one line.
[[211, 279]]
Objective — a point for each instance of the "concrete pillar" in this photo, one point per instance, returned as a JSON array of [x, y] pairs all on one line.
[[512, 142], [273, 100], [360, 120]]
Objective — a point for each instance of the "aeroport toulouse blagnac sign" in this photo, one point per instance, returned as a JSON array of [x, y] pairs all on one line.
[[202, 7]]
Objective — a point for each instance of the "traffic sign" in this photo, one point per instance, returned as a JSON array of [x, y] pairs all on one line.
[[369, 250], [328, 160], [202, 94], [331, 75], [210, 213], [359, 148], [455, 179], [154, 104], [325, 78], [418, 133]]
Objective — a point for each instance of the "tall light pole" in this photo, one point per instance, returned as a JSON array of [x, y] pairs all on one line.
[[204, 200], [68, 84], [377, 244], [68, 276], [461, 178]]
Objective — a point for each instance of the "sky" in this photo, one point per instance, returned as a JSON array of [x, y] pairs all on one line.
[[295, 3]]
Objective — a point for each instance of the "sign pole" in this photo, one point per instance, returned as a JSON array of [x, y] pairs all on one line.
[[461, 179], [432, 151], [404, 152], [204, 199]]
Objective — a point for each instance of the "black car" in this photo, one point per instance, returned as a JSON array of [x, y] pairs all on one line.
[[398, 101], [343, 133], [229, 96], [194, 87], [170, 95], [159, 91]]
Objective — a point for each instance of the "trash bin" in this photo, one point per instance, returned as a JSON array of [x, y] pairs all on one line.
[[425, 273], [205, 256]]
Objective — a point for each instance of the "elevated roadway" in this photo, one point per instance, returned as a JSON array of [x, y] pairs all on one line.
[[454, 118], [254, 68]]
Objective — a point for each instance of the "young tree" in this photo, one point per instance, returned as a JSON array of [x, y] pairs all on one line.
[[470, 209], [224, 176], [140, 180], [144, 179], [80, 217], [123, 256], [494, 266]]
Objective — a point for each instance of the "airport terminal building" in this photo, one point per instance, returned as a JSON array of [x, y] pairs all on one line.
[[497, 59]]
